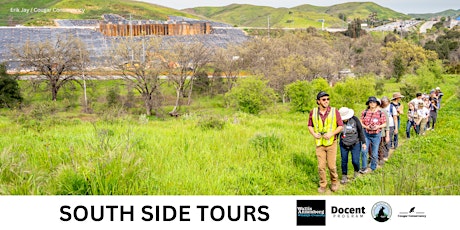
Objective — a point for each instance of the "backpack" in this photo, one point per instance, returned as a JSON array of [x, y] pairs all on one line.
[[349, 135]]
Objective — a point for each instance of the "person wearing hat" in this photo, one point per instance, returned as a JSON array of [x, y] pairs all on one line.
[[422, 114], [373, 120], [439, 94], [324, 123], [396, 102], [351, 140]]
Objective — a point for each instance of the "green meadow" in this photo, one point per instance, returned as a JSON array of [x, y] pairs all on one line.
[[53, 148]]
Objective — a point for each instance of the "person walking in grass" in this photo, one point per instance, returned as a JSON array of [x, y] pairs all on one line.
[[351, 141], [411, 118], [373, 120], [422, 118], [324, 123], [433, 113], [392, 113], [385, 139], [396, 102], [439, 94]]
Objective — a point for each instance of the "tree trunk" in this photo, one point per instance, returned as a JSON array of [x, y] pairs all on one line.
[[177, 104], [148, 104], [189, 101], [54, 92]]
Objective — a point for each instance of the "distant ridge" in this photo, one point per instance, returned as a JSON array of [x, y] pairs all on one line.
[[446, 13], [299, 16]]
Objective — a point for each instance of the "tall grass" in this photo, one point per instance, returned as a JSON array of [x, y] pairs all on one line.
[[202, 154]]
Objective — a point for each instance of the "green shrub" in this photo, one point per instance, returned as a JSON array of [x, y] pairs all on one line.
[[10, 95], [299, 94], [251, 95], [303, 93], [353, 92], [211, 122]]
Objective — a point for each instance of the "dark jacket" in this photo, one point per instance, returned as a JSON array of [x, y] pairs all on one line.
[[359, 129]]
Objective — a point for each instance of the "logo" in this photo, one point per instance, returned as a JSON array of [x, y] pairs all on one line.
[[354, 212], [311, 212], [381, 211], [412, 213]]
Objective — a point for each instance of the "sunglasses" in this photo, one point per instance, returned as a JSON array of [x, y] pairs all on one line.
[[324, 99]]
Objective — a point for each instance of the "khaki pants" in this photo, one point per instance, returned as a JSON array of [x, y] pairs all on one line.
[[327, 156], [423, 126]]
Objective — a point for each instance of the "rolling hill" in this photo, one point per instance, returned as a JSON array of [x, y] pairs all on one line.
[[295, 17], [446, 13], [15, 11]]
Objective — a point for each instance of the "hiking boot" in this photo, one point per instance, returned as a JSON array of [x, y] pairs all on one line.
[[355, 175], [344, 179], [367, 170], [334, 187], [321, 190]]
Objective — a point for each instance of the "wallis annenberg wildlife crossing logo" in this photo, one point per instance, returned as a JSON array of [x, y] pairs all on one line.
[[381, 211], [311, 212]]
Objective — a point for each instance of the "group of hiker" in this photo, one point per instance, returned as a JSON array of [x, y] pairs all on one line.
[[372, 135]]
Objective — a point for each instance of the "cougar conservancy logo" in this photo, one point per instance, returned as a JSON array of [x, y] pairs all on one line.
[[381, 211]]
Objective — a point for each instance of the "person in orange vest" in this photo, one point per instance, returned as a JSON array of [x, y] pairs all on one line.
[[324, 124]]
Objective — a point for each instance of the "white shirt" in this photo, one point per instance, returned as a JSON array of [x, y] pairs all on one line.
[[415, 101], [390, 116], [423, 112]]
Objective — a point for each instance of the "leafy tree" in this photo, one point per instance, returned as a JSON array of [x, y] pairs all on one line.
[[10, 95], [406, 57], [251, 95]]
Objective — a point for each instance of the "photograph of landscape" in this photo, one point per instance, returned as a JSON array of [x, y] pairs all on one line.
[[127, 97]]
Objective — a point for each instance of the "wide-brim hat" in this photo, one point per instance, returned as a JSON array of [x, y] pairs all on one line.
[[396, 95], [346, 113], [372, 99]]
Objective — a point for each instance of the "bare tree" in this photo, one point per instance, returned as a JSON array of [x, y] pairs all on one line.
[[229, 62], [184, 61], [141, 64], [58, 61]]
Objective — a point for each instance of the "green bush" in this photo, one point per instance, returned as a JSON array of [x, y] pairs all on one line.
[[251, 95], [299, 94], [303, 93], [353, 92], [211, 122], [9, 90]]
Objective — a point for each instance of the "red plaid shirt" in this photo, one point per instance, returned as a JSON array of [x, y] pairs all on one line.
[[373, 119]]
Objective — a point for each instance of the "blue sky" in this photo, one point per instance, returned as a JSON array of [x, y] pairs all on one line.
[[403, 6]]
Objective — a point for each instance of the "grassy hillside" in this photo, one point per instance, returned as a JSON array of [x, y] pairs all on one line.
[[93, 9], [296, 17], [363, 10], [447, 13]]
